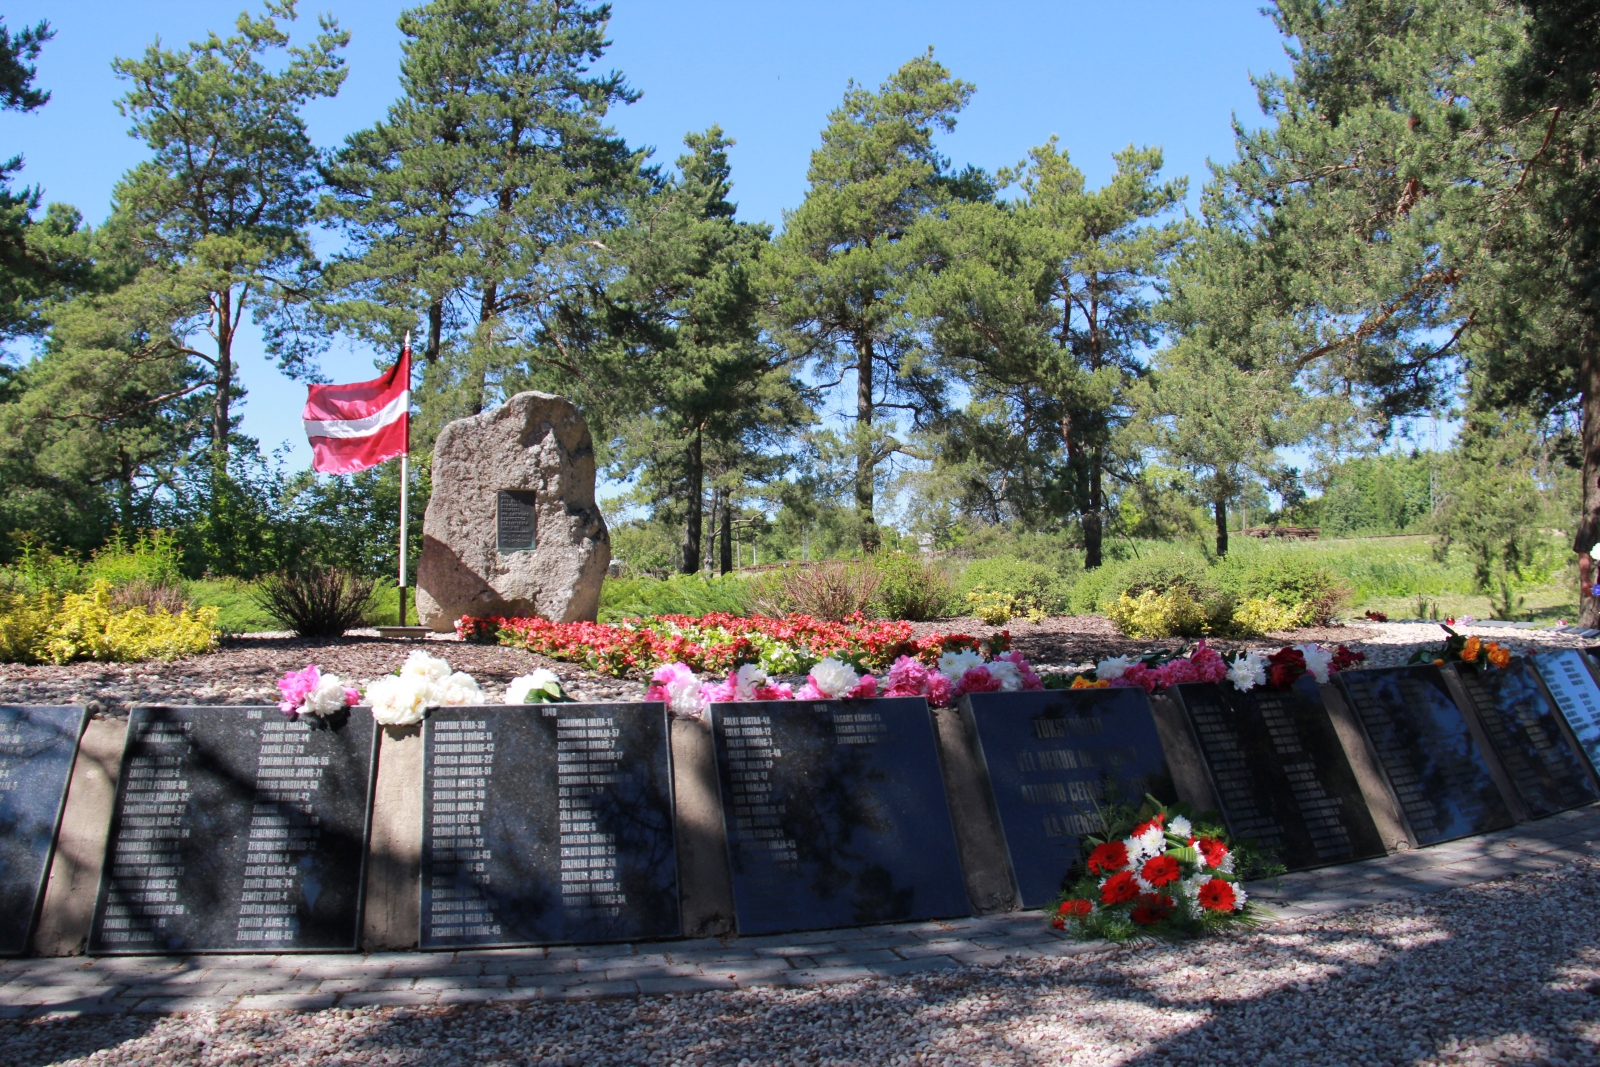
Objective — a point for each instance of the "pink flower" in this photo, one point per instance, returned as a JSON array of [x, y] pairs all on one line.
[[296, 686], [978, 680], [1139, 675], [1176, 672], [1208, 665], [352, 697], [907, 677]]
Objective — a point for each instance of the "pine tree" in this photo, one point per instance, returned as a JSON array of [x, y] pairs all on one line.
[[844, 265], [476, 212]]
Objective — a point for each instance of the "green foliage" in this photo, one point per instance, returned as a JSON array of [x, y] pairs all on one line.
[[58, 627], [238, 611], [1029, 586], [679, 594], [1254, 616], [1384, 494], [1173, 613], [1292, 580], [911, 588], [315, 601]]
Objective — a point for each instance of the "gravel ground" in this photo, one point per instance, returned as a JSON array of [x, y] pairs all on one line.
[[1499, 973], [245, 669]]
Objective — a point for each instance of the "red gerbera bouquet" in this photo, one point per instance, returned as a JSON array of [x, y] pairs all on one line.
[[1159, 872]]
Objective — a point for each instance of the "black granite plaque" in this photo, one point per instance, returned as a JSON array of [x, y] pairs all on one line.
[[37, 746], [1280, 773], [1521, 724], [1055, 760], [237, 830], [835, 813], [1571, 683], [547, 823], [1426, 752], [516, 525]]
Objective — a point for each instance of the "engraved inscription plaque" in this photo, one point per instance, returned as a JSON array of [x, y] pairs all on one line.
[[1520, 721], [1280, 773], [1426, 752], [515, 519], [237, 830], [547, 824], [37, 746], [1576, 694], [1054, 760], [835, 814]]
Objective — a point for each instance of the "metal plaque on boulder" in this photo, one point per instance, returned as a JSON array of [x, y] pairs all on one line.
[[1054, 760], [1426, 752], [516, 520], [1571, 682], [237, 830], [1525, 733], [37, 747], [835, 814], [1280, 773], [547, 824]]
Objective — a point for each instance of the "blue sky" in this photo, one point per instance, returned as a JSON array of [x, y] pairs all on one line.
[[1098, 75]]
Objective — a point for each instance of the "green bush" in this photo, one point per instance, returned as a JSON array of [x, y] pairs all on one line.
[[1288, 579], [681, 594], [1033, 586], [911, 589], [1174, 613], [1159, 570], [1255, 616]]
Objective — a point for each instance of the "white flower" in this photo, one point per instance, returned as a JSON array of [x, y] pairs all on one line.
[[459, 689], [1151, 843], [326, 699], [750, 678], [954, 664], [1594, 553], [1007, 674], [1248, 671], [1317, 660], [683, 698], [1180, 826], [1239, 895], [541, 681], [398, 701], [834, 678], [428, 668], [1109, 670]]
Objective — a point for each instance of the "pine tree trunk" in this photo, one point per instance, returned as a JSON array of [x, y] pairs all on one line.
[[222, 402], [726, 562], [1220, 507], [1588, 532], [696, 502], [1093, 534], [864, 462], [435, 330]]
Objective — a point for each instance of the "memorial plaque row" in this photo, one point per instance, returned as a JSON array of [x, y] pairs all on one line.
[[236, 830]]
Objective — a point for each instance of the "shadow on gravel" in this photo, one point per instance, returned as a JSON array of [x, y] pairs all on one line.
[[48, 1041]]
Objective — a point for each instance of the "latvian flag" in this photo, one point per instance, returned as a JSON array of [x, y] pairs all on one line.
[[353, 427]]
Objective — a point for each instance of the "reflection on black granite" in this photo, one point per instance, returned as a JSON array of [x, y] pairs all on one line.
[[836, 814], [1566, 672], [1426, 752], [1522, 729], [37, 746], [237, 830], [1280, 773], [1055, 759], [547, 823]]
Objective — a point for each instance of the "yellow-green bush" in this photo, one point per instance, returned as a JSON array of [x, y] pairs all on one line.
[[997, 607], [1260, 615], [58, 629], [1152, 614]]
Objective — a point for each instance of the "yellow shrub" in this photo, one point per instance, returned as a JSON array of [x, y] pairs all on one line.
[[1153, 614], [1259, 615], [87, 627], [24, 625], [997, 608]]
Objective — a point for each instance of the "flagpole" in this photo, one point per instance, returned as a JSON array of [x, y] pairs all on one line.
[[405, 480]]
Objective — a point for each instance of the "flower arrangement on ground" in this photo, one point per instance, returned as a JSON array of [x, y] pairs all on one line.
[[1473, 652], [1158, 872], [310, 692], [720, 643], [423, 681], [1158, 670]]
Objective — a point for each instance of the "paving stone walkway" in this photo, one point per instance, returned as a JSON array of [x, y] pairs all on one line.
[[31, 987]]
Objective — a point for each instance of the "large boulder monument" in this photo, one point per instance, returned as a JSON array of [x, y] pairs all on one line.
[[512, 527]]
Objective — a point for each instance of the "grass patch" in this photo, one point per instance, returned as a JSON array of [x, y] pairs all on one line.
[[237, 611], [681, 594]]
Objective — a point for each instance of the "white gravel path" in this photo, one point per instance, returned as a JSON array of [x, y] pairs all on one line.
[[1498, 973]]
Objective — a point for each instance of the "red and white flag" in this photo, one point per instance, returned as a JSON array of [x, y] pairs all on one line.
[[353, 427]]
